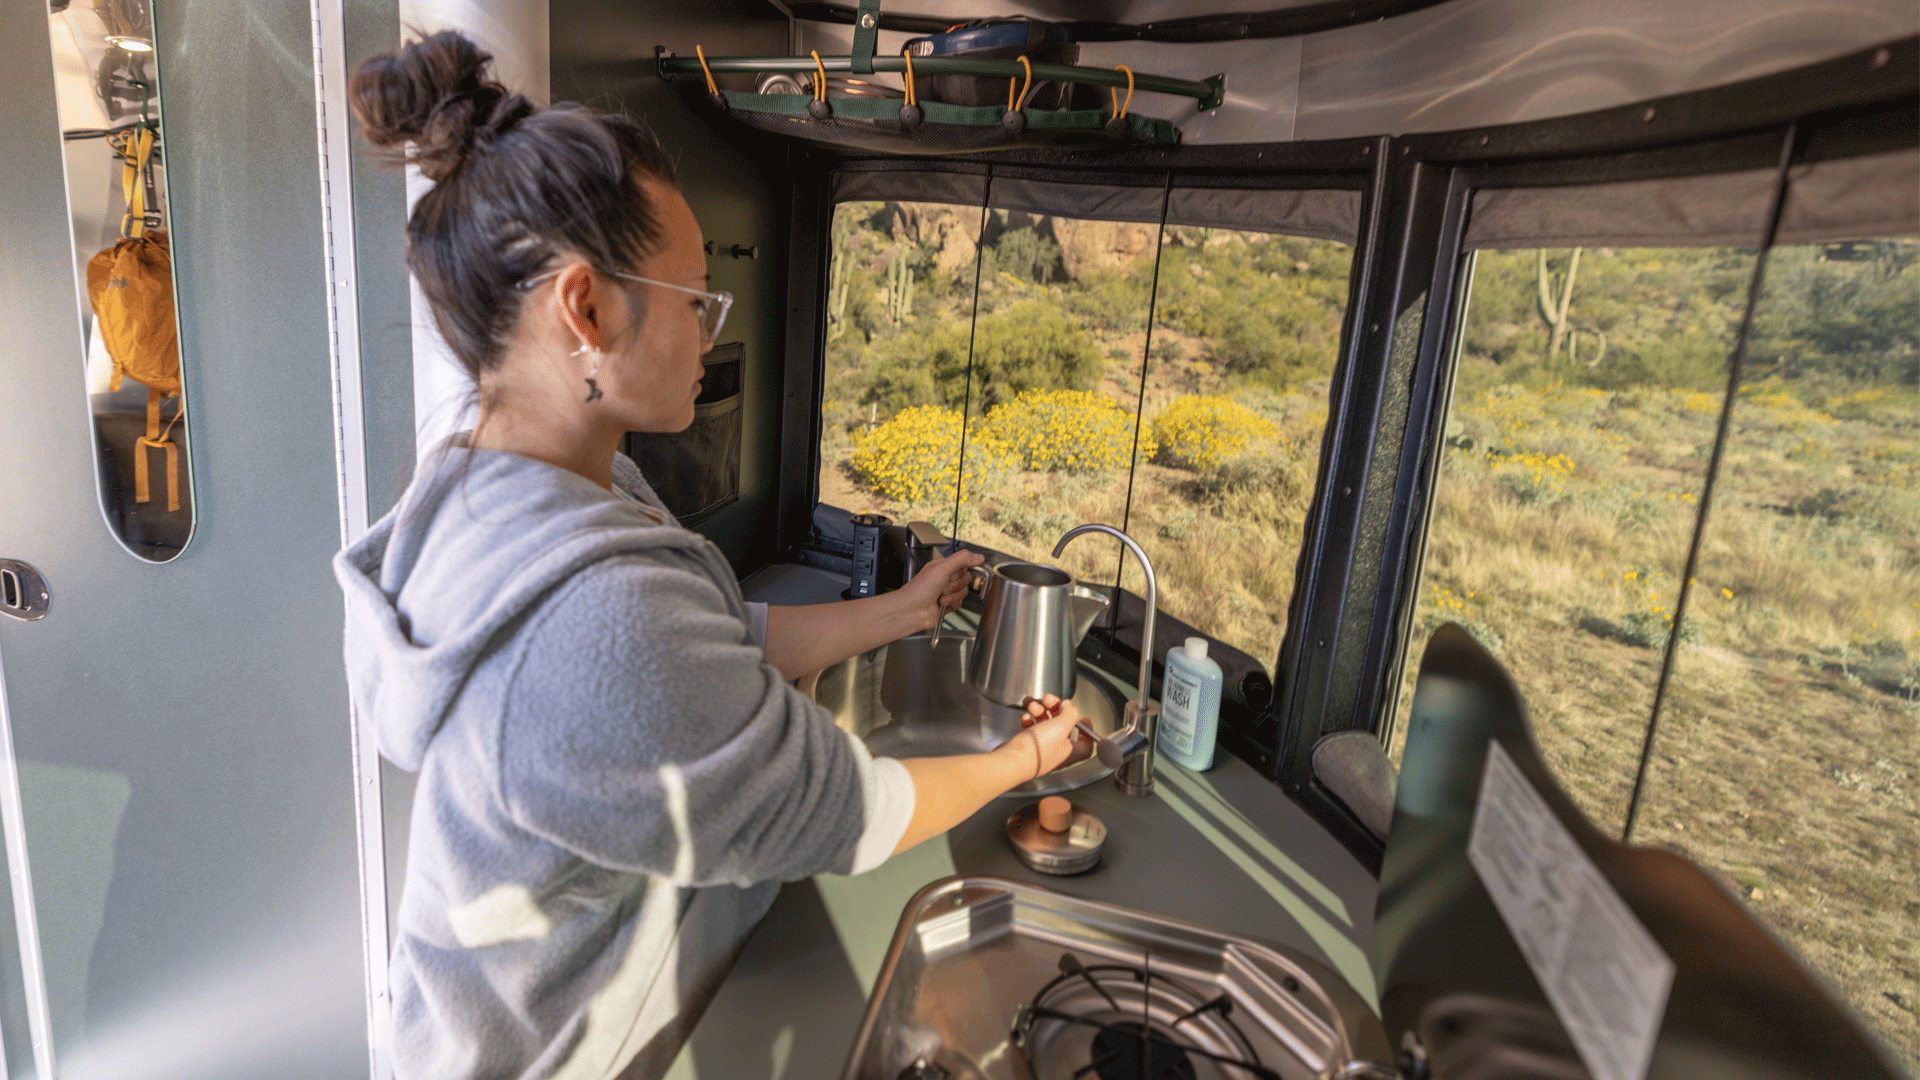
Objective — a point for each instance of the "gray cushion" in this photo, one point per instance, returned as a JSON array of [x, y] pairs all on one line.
[[1352, 765]]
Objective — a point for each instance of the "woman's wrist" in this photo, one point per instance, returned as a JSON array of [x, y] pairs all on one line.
[[1019, 759], [905, 614]]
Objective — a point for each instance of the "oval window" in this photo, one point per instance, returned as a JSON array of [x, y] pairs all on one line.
[[106, 85]]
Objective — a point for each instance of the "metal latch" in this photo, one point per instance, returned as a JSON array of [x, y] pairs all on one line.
[[23, 592]]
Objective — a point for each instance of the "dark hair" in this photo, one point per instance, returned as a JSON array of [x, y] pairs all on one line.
[[516, 186]]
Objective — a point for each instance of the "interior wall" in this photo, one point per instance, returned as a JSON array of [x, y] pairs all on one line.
[[515, 34], [380, 253], [603, 56]]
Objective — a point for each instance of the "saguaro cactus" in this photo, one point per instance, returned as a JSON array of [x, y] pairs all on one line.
[[900, 285], [837, 279], [1554, 301]]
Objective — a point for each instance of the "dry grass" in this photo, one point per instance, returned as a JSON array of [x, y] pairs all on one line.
[[1788, 759]]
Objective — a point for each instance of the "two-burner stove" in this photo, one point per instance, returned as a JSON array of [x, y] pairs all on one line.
[[994, 980]]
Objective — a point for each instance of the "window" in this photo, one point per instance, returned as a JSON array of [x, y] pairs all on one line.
[[1583, 412], [900, 290], [1043, 370], [1788, 754]]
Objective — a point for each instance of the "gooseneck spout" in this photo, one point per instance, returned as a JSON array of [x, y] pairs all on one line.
[[1129, 751]]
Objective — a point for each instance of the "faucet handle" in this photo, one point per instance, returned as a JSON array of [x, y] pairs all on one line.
[[926, 534]]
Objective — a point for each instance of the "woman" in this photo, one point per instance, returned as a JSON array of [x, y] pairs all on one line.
[[615, 773]]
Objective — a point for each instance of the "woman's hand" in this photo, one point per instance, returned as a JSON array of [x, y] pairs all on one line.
[[939, 587], [1051, 728], [948, 790], [804, 639]]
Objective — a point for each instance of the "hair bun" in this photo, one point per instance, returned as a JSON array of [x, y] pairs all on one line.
[[436, 94]]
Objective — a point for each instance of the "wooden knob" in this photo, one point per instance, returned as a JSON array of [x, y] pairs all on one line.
[[1056, 814]]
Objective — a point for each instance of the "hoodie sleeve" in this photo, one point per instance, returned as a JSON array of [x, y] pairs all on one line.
[[644, 729]]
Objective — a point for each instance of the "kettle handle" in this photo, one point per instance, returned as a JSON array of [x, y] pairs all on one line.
[[977, 578]]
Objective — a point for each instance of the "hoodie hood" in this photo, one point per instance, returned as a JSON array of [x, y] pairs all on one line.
[[424, 602]]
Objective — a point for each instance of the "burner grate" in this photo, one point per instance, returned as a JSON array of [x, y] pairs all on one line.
[[1130, 1050], [1120, 1022]]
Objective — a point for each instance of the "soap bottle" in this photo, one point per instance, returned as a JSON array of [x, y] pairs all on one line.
[[1190, 705]]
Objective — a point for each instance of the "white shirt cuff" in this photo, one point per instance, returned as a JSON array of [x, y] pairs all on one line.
[[757, 623], [887, 790]]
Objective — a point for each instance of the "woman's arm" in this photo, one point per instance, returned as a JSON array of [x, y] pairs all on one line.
[[803, 639], [949, 790]]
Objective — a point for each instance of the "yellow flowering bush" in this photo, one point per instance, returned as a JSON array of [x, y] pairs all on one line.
[[1199, 432], [1649, 600], [1064, 431], [1445, 606], [1532, 473], [915, 457], [1708, 404]]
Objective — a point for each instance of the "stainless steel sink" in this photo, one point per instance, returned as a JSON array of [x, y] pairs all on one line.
[[911, 699]]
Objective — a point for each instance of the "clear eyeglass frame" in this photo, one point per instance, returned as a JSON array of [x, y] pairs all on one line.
[[713, 305]]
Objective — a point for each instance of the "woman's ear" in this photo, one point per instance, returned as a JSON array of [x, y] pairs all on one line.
[[577, 302]]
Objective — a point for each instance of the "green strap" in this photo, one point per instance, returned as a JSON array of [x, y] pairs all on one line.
[[866, 31]]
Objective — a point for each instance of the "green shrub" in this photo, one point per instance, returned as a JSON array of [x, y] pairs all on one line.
[[1487, 636], [1649, 630], [1032, 521], [1023, 253], [1888, 509]]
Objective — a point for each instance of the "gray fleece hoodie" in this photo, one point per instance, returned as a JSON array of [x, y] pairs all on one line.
[[612, 778]]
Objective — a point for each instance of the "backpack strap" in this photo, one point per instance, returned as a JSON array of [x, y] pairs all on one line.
[[136, 150], [157, 439]]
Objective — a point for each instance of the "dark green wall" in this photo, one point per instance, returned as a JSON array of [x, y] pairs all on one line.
[[603, 56]]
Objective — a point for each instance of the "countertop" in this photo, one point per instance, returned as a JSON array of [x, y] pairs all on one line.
[[1224, 848]]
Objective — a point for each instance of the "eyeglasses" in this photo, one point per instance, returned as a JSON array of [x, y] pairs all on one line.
[[713, 306]]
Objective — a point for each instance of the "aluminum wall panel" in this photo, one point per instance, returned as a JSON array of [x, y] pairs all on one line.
[[1474, 63], [181, 728]]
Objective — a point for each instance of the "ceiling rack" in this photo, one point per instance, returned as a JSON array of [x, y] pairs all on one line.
[[1209, 92]]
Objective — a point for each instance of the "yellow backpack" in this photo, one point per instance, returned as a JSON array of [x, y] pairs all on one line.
[[131, 286]]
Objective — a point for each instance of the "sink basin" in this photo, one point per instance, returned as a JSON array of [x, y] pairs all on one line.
[[911, 699]]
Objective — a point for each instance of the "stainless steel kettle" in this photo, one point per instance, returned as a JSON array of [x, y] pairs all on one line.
[[1034, 620]]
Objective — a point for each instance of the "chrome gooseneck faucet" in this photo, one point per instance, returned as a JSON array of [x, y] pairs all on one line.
[[1129, 751]]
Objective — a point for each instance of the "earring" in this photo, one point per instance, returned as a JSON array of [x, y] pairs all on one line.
[[593, 388]]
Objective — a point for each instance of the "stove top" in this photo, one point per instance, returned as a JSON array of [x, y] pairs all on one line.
[[1118, 1022], [995, 980]]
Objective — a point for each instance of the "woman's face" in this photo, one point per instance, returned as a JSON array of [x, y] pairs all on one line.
[[651, 371]]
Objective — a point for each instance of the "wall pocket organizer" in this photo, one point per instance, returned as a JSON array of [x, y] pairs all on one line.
[[696, 472]]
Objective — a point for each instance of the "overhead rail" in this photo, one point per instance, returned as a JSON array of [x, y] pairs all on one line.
[[1209, 92], [1310, 18]]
